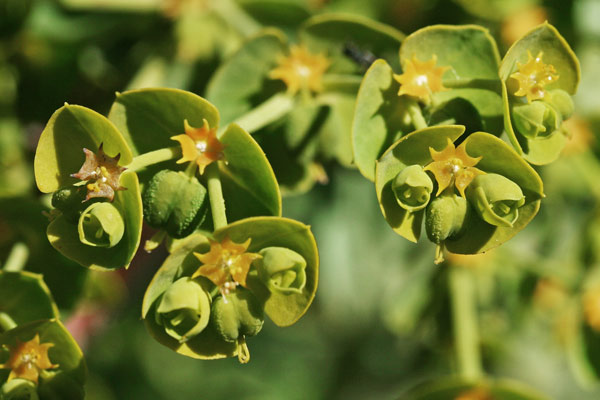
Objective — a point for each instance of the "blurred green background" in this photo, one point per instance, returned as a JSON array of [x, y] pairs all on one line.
[[380, 323]]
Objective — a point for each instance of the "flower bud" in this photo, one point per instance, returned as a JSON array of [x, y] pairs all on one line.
[[445, 217], [183, 309], [412, 188], [282, 270], [496, 199], [101, 225], [562, 102], [536, 119], [175, 202], [19, 389], [239, 314]]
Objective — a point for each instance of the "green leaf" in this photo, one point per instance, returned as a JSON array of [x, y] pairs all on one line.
[[498, 158], [472, 55], [64, 236], [64, 382], [556, 52], [249, 184], [283, 309], [149, 117], [453, 387], [281, 14], [242, 82], [60, 149], [25, 297], [329, 33], [207, 345], [380, 117], [410, 150]]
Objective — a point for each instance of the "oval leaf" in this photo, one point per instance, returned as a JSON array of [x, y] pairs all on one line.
[[329, 33], [59, 152], [249, 184], [378, 117], [25, 297], [149, 117]]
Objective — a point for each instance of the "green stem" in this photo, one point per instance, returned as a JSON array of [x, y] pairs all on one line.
[[154, 157], [464, 313], [264, 114], [416, 115], [215, 194], [17, 258], [231, 12], [6, 322]]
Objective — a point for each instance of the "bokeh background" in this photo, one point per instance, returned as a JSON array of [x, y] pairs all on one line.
[[380, 323]]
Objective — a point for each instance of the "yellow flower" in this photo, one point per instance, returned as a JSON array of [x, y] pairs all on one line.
[[301, 70], [28, 359], [453, 165], [421, 79], [226, 264], [533, 76], [199, 145], [102, 172]]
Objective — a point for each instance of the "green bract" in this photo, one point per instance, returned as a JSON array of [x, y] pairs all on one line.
[[496, 158], [283, 306], [25, 297], [67, 380], [555, 51], [237, 315], [184, 309], [281, 269], [496, 199], [174, 202], [412, 188], [471, 95], [149, 118], [101, 225], [19, 389], [308, 127], [59, 155]]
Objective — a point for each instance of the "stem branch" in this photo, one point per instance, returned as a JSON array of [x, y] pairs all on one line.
[[6, 322], [264, 114], [215, 194], [154, 157], [464, 312], [416, 115]]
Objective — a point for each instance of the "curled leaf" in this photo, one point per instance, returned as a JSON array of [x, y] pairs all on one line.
[[281, 269], [496, 199], [412, 188], [101, 225]]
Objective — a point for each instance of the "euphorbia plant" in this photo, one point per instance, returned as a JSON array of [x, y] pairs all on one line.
[[210, 192]]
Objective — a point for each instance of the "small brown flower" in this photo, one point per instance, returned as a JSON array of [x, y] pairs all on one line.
[[102, 174]]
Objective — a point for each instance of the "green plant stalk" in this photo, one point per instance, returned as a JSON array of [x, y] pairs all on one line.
[[215, 194], [17, 258], [154, 157], [270, 111], [464, 316], [416, 115], [6, 322], [489, 84]]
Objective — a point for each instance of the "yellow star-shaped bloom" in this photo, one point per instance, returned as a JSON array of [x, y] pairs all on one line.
[[199, 145], [28, 359], [226, 264], [533, 76], [301, 70], [421, 79], [453, 164], [591, 308]]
